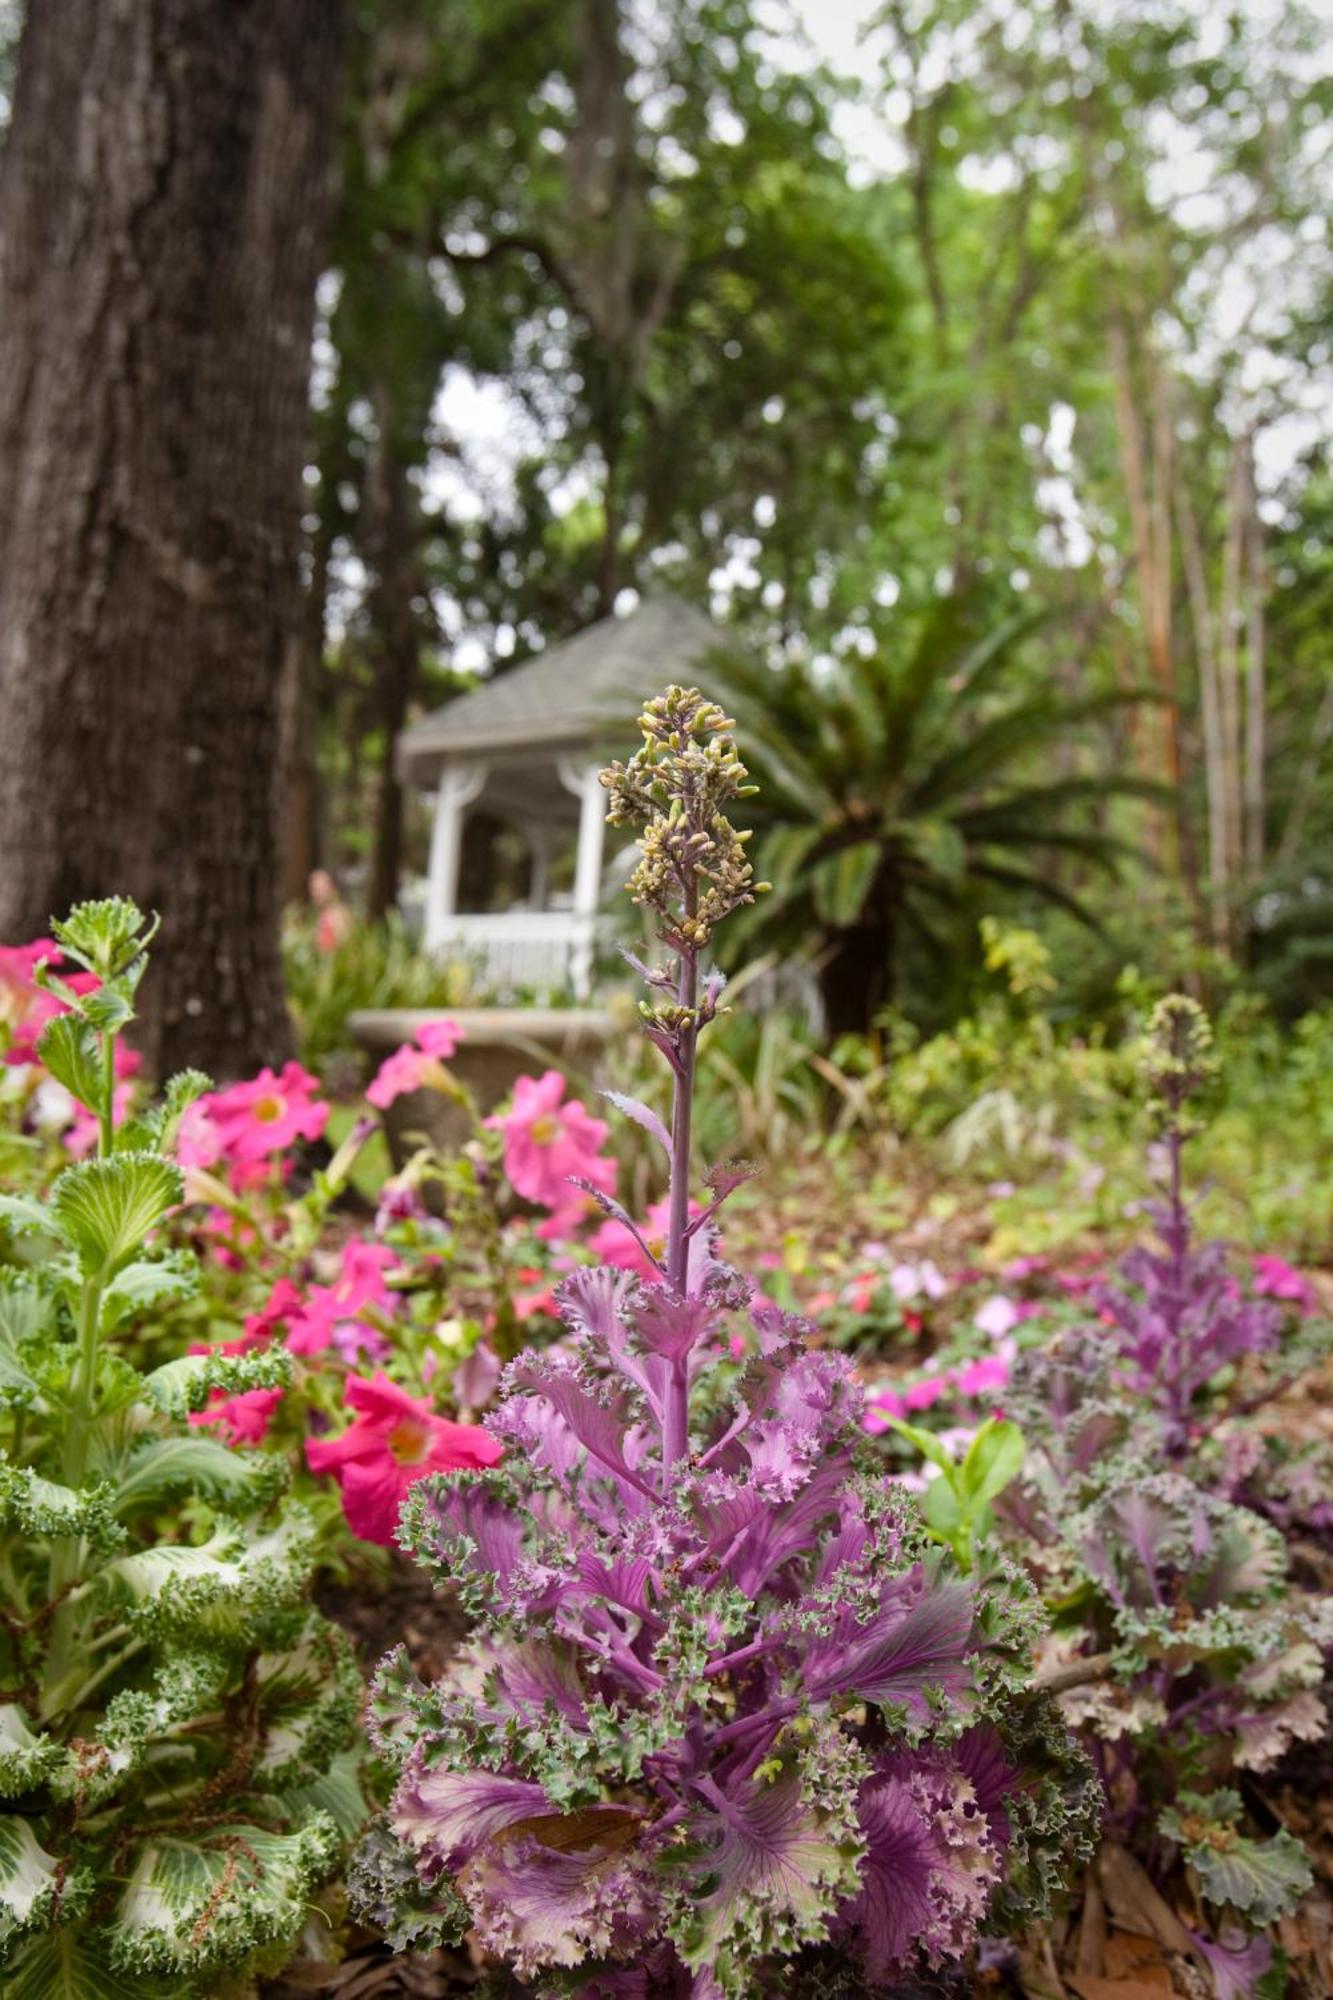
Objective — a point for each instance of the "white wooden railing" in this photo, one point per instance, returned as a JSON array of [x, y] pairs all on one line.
[[535, 950]]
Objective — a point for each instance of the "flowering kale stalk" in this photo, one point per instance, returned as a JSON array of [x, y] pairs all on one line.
[[1179, 1316], [725, 1722], [175, 1721]]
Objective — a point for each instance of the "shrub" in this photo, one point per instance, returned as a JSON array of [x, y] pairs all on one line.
[[723, 1705]]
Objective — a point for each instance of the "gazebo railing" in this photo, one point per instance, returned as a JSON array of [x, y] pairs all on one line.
[[522, 950]]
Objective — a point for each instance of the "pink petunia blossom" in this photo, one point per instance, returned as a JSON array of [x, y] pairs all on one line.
[[414, 1064], [394, 1441], [1275, 1278], [258, 1118], [615, 1244], [245, 1417], [333, 1315], [546, 1142]]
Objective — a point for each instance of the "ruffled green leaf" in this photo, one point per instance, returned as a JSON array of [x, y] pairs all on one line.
[[24, 1314], [26, 1757], [149, 1282], [60, 1967], [27, 1218], [1260, 1879], [237, 1480], [68, 1048], [105, 1208], [28, 1881], [190, 1906], [186, 1384], [36, 1508], [103, 935], [216, 1587]]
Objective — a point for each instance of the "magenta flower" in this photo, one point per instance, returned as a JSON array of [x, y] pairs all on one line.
[[547, 1143], [332, 1315], [394, 1441], [415, 1063], [245, 1417], [260, 1117], [1275, 1278], [615, 1243]]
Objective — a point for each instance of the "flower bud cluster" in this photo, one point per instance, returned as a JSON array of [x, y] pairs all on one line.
[[692, 871]]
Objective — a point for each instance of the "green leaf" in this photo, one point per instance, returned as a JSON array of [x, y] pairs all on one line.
[[61, 1967], [942, 1509], [25, 1758], [105, 1208], [237, 1480], [213, 1588], [28, 1882], [38, 1508], [192, 1905], [338, 1792], [994, 1457], [103, 936], [149, 1282], [26, 1218], [181, 1386], [927, 1444], [24, 1313], [841, 883], [1259, 1878], [68, 1048]]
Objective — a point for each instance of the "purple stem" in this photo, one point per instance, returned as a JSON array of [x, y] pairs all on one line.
[[676, 1429]]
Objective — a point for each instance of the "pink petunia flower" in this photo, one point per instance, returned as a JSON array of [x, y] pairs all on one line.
[[546, 1142], [394, 1441], [260, 1117], [411, 1066], [245, 1417], [333, 1315], [615, 1244], [1275, 1278]]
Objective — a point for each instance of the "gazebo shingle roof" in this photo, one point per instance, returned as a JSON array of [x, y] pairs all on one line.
[[569, 692]]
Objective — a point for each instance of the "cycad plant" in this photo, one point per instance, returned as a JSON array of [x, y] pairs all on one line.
[[898, 788]]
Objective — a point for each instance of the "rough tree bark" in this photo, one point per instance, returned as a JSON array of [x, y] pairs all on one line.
[[163, 202]]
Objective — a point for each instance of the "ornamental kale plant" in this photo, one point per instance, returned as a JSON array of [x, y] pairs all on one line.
[[724, 1711], [1190, 1655], [175, 1721]]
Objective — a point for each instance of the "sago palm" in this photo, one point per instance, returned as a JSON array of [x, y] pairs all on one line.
[[896, 788]]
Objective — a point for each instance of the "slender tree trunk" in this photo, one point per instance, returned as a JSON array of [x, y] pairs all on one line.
[[1205, 654], [396, 636], [1255, 676], [1228, 659], [163, 201]]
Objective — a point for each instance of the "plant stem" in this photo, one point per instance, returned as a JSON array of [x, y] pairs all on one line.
[[107, 1120], [676, 1428]]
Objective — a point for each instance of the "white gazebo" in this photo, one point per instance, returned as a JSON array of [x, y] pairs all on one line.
[[525, 748]]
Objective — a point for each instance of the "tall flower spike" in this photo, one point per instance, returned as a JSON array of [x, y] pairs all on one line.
[[692, 873]]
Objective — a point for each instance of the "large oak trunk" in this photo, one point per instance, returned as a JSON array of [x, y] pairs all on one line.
[[163, 202]]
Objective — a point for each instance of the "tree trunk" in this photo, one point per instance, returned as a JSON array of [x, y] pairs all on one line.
[[392, 546], [163, 201], [857, 976]]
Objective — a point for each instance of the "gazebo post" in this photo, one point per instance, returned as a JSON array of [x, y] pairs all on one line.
[[585, 783], [459, 785]]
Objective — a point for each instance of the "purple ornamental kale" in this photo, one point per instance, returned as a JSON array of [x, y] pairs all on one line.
[[721, 1704], [1178, 1315]]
